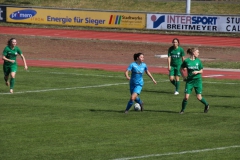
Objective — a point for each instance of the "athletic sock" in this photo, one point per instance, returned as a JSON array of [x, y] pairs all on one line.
[[184, 104], [138, 100], [177, 85], [5, 79], [204, 101], [12, 81], [173, 82], [129, 105]]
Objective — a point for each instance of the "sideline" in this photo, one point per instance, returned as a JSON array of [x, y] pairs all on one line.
[[179, 153]]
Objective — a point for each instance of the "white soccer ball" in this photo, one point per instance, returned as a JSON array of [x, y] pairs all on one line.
[[137, 107]]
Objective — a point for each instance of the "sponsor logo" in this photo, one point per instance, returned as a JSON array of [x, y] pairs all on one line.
[[115, 19], [1, 18], [157, 22], [23, 14], [118, 19]]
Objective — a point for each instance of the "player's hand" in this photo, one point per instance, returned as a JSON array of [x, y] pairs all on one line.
[[26, 67], [155, 82], [12, 61]]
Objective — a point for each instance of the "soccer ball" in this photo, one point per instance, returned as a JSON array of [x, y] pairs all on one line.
[[137, 107]]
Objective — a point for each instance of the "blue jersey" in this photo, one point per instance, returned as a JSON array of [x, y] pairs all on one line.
[[137, 73]]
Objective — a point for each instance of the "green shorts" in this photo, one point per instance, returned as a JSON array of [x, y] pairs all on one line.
[[7, 69], [194, 83], [175, 71]]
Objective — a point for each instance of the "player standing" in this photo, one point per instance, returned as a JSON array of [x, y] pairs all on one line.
[[194, 78], [175, 58]]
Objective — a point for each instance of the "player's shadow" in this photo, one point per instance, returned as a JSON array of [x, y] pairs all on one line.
[[122, 111], [224, 96], [155, 91]]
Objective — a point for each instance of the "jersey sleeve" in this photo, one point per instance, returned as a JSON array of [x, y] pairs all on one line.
[[169, 52], [130, 67], [182, 52], [5, 51], [184, 64], [19, 51], [200, 65]]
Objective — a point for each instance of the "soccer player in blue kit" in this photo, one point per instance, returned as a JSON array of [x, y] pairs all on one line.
[[137, 69]]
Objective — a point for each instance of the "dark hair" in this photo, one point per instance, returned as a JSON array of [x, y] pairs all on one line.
[[136, 55], [10, 41], [191, 50], [176, 40]]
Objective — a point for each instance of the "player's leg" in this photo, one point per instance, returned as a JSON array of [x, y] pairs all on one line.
[[188, 90], [12, 77], [130, 102], [6, 71], [171, 76], [177, 84], [198, 90], [12, 81], [138, 90], [177, 78]]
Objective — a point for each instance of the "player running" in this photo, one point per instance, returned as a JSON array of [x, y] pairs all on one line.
[[10, 67], [137, 69]]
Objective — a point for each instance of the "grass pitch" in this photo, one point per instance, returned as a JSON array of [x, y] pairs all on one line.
[[58, 113]]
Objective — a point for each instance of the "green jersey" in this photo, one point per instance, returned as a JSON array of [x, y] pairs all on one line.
[[176, 56], [10, 53], [193, 65]]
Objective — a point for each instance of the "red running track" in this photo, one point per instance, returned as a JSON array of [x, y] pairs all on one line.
[[120, 36]]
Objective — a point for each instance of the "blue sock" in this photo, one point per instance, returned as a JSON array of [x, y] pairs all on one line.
[[129, 105], [138, 100]]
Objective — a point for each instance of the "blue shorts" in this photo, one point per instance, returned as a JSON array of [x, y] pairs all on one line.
[[135, 89]]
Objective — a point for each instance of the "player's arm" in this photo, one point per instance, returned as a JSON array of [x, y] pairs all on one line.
[[182, 70], [169, 62], [198, 72], [127, 74], [150, 75], [6, 59], [24, 61]]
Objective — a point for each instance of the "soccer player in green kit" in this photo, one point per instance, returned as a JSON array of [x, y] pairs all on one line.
[[10, 67], [175, 58], [194, 68]]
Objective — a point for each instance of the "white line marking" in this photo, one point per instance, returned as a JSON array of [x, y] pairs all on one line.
[[217, 75], [59, 89], [178, 153]]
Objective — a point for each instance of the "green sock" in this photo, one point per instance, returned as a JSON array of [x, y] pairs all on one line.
[[5, 79], [184, 104], [177, 85], [173, 82], [12, 81], [204, 101]]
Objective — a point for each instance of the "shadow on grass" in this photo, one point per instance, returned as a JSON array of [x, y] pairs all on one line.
[[122, 111], [225, 96], [154, 91]]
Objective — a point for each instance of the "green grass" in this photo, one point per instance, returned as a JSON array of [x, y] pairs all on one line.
[[78, 114]]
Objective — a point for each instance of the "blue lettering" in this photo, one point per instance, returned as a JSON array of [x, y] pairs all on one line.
[[204, 20], [58, 19], [94, 21]]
